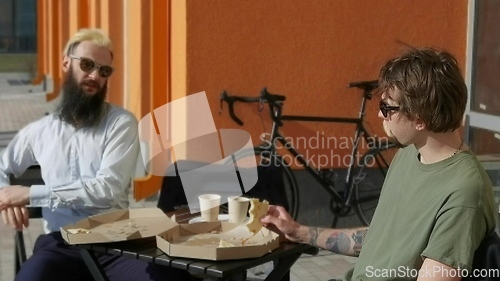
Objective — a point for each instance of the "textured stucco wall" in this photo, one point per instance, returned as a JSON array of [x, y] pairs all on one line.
[[309, 51]]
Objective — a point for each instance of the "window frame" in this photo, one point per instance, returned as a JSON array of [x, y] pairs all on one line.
[[475, 119]]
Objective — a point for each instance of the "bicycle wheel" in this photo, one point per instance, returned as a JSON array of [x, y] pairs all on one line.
[[290, 191], [369, 179]]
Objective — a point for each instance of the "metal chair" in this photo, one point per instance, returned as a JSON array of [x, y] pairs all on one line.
[[30, 177], [486, 259]]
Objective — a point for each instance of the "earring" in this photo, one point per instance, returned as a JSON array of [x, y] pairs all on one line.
[[420, 126]]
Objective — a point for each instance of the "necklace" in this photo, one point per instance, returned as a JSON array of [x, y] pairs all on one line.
[[459, 148], [456, 151]]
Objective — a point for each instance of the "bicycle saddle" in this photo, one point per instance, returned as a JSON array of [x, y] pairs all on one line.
[[365, 85]]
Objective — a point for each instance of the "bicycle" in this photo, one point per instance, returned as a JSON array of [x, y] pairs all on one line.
[[362, 185]]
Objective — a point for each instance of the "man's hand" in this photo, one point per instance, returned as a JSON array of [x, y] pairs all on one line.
[[342, 241], [16, 217], [14, 195], [278, 217]]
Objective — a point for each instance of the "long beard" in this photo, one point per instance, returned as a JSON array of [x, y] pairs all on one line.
[[78, 108]]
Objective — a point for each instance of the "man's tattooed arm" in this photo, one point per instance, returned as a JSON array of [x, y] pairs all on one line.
[[343, 241]]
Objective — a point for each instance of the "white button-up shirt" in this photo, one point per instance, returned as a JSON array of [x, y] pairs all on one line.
[[86, 171]]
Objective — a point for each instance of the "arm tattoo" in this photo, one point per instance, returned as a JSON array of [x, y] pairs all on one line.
[[314, 232], [338, 243]]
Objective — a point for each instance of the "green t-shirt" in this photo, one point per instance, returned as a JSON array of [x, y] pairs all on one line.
[[440, 211]]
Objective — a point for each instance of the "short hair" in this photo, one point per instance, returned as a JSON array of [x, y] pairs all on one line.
[[97, 36], [430, 87]]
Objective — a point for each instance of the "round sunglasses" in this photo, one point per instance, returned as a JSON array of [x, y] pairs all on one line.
[[385, 108], [88, 65]]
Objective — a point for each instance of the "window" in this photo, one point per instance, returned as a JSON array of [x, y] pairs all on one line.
[[18, 26], [483, 72]]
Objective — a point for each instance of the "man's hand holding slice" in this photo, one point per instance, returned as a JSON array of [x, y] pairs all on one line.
[[279, 221]]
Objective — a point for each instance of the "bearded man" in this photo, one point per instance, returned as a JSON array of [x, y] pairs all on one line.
[[87, 152]]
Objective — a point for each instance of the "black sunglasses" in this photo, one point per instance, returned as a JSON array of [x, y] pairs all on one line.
[[88, 65], [385, 108]]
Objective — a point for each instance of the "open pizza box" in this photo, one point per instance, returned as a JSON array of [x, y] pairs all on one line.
[[216, 241], [120, 225], [204, 240]]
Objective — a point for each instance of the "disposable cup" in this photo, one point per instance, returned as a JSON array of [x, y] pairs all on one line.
[[209, 206], [238, 208]]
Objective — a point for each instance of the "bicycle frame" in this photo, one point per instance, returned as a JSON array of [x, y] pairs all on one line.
[[360, 132], [341, 200]]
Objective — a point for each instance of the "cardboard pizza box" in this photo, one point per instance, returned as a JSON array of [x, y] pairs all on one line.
[[203, 241], [200, 240], [115, 226]]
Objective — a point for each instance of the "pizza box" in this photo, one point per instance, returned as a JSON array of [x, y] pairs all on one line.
[[115, 226], [216, 241], [173, 238]]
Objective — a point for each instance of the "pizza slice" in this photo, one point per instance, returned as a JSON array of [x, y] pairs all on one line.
[[78, 230], [257, 211], [224, 244]]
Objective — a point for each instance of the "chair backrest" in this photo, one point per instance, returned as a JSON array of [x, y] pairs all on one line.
[[31, 176], [172, 194], [487, 259], [269, 186]]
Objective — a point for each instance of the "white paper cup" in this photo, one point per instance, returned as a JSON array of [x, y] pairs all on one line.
[[238, 208], [209, 206]]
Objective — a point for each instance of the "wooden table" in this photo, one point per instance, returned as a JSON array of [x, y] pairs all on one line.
[[145, 249]]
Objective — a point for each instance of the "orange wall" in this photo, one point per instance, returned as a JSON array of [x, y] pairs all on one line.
[[309, 51], [306, 50], [116, 89]]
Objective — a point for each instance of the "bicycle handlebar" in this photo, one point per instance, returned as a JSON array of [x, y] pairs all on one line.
[[225, 97], [274, 101]]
